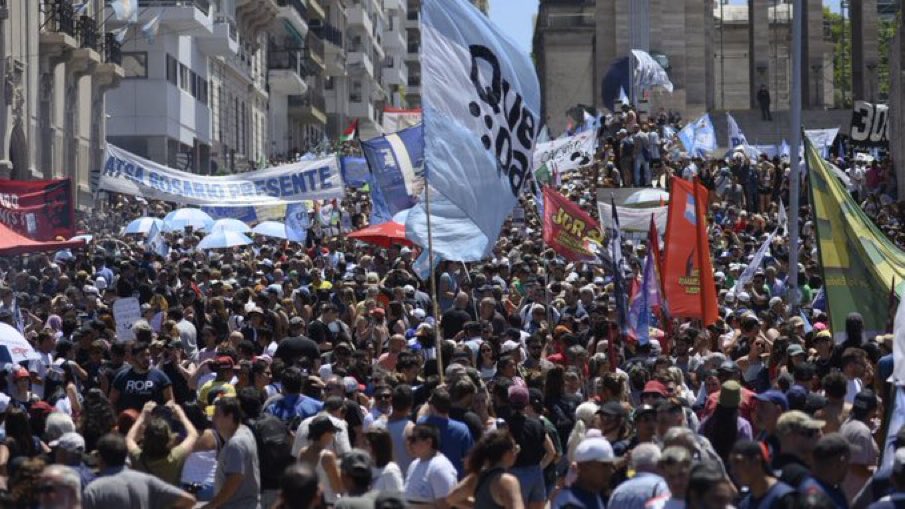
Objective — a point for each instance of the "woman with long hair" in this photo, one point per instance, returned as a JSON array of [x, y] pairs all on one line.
[[98, 418], [20, 441], [725, 427], [386, 474], [317, 455], [487, 358], [488, 484], [159, 453]]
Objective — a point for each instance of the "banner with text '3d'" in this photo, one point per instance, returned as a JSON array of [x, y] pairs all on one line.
[[481, 104], [127, 173]]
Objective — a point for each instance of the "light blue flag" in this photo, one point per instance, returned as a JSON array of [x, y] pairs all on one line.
[[784, 149], [120, 33], [753, 265], [125, 10], [151, 28], [422, 266], [297, 222], [481, 103], [698, 137], [397, 164], [807, 323], [623, 97], [81, 8], [156, 243]]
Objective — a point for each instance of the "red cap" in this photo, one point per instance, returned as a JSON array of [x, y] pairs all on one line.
[[378, 312], [40, 407], [224, 361], [655, 387], [21, 373]]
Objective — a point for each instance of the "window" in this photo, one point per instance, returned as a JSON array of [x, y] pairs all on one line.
[[388, 61], [184, 78], [328, 83], [172, 65], [135, 65]]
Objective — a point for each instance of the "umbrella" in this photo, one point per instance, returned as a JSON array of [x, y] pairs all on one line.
[[224, 240], [270, 229], [143, 225], [181, 218], [647, 196], [383, 235], [14, 348], [230, 225]]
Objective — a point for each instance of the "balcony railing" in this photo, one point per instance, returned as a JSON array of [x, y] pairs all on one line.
[[202, 5], [88, 33], [329, 33], [232, 30], [308, 101], [314, 46], [112, 50], [298, 5], [286, 59], [59, 16]]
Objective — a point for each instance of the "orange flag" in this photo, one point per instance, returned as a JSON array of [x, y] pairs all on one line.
[[687, 268]]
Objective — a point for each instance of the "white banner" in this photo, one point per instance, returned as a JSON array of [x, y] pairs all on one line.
[[126, 312], [567, 154], [870, 123], [127, 173], [397, 119], [633, 219]]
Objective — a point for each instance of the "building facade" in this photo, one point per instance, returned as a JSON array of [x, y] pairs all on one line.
[[58, 63], [717, 54]]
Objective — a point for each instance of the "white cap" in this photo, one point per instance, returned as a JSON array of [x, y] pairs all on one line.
[[775, 300], [744, 297], [594, 449], [405, 250], [100, 283], [509, 346], [419, 313]]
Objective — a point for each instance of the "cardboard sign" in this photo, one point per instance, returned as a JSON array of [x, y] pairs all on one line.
[[126, 312]]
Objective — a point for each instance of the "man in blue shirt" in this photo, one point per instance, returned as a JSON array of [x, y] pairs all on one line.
[[594, 464], [293, 407], [455, 439]]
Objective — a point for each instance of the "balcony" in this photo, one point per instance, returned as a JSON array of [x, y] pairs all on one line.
[[295, 12], [110, 72], [187, 17], [316, 10], [363, 110], [314, 50], [285, 72], [86, 56], [223, 40], [395, 38], [360, 62], [310, 108], [359, 18], [394, 71], [413, 20], [58, 28]]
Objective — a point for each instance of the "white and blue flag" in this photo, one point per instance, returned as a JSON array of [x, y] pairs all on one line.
[[125, 10], [397, 166], [736, 136], [754, 264], [623, 97], [698, 137], [297, 222], [156, 243], [649, 73], [481, 103]]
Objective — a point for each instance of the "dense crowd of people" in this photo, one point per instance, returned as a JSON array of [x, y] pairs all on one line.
[[299, 376]]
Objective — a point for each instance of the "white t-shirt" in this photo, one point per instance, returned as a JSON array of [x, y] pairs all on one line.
[[852, 388], [41, 366], [340, 443], [430, 480], [388, 478]]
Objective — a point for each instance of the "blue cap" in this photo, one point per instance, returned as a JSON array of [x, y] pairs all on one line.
[[797, 396], [774, 396]]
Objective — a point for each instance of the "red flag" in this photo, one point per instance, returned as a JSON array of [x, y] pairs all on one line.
[[687, 269], [351, 132], [568, 230]]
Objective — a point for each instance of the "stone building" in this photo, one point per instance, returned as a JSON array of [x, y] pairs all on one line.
[[57, 65]]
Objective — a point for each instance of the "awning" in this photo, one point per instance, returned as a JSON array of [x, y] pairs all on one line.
[[13, 243]]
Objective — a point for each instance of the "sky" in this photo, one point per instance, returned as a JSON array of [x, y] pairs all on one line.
[[515, 18]]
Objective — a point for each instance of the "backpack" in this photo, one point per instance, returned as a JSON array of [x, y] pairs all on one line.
[[274, 449]]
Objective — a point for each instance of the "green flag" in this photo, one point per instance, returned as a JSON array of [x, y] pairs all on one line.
[[860, 264]]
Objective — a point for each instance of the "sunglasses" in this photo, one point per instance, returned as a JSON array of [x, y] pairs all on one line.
[[382, 397]]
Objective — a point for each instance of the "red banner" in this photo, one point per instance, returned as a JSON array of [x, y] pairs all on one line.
[[38, 209], [568, 230], [687, 268]]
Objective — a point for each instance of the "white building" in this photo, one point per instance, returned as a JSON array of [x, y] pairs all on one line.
[[57, 65]]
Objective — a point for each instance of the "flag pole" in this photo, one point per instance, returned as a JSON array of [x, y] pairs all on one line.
[[438, 343], [794, 159]]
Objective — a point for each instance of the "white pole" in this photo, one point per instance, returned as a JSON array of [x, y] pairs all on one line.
[[794, 174]]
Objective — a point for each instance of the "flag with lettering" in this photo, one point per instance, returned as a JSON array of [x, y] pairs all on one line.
[[568, 230], [297, 222], [736, 136], [481, 107], [397, 164]]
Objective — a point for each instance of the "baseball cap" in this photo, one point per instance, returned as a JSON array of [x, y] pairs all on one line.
[[296, 321], [796, 420], [320, 425], [795, 349], [69, 442], [797, 396], [518, 396], [655, 387], [775, 397], [612, 408], [594, 449], [224, 362], [21, 373], [355, 463]]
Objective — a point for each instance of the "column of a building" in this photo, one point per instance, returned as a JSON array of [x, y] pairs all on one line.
[[758, 48], [864, 51]]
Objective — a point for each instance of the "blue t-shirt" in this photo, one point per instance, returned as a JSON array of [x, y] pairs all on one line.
[[575, 497], [455, 440], [136, 389], [294, 407]]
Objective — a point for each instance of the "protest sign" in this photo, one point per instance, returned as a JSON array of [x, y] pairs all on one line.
[[568, 230], [126, 311]]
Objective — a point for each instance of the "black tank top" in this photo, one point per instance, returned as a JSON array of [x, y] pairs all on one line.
[[483, 497]]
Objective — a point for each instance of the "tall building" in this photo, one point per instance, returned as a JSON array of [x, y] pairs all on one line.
[[57, 64]]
